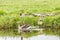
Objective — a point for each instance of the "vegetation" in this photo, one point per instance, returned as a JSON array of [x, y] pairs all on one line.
[[10, 14], [30, 6]]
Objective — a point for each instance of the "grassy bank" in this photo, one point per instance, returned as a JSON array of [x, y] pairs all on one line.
[[10, 13], [30, 6]]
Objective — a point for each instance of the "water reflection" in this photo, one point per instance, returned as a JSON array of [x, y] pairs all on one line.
[[47, 34], [39, 37], [45, 37]]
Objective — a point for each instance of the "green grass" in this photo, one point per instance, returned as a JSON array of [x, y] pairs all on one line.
[[10, 9], [30, 5]]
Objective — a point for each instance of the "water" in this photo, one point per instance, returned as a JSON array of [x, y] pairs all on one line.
[[38, 37], [45, 37], [46, 34]]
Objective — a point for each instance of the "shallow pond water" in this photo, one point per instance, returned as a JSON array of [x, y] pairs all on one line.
[[46, 34], [38, 37]]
